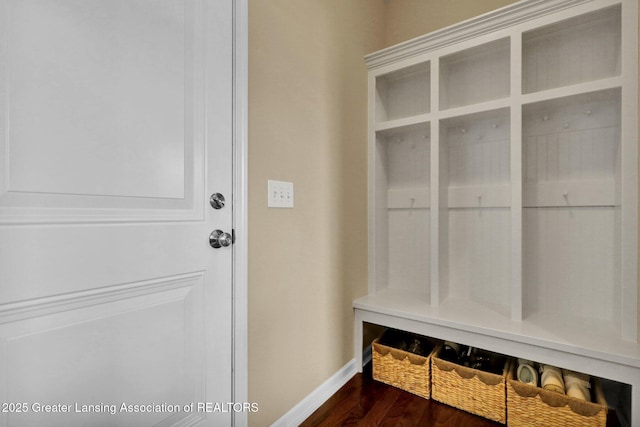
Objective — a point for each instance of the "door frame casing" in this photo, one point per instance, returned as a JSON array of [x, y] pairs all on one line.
[[240, 392]]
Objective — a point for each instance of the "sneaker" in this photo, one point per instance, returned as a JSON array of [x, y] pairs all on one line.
[[552, 379], [577, 385], [526, 372]]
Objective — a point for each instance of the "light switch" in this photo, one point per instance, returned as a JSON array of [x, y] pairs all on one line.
[[280, 194]]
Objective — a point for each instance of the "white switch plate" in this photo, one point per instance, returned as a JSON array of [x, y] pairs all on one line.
[[280, 194]]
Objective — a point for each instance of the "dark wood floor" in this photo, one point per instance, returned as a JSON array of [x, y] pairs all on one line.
[[365, 402]]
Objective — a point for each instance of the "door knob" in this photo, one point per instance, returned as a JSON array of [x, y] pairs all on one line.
[[219, 238]]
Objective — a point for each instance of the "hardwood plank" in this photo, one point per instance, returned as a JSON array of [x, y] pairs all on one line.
[[374, 397], [337, 407], [447, 416], [364, 402], [379, 410], [406, 411]]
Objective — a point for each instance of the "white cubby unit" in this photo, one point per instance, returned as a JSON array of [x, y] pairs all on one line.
[[503, 186]]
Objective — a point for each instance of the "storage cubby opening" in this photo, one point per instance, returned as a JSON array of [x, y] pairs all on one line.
[[571, 151], [403, 93], [615, 394], [571, 217], [475, 75], [475, 163], [576, 50], [479, 249], [569, 266], [404, 220], [476, 214], [408, 166], [618, 396]]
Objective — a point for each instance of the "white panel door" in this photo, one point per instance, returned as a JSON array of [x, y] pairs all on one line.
[[116, 126]]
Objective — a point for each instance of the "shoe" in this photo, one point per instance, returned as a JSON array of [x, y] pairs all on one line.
[[577, 385], [526, 372], [552, 379], [450, 351]]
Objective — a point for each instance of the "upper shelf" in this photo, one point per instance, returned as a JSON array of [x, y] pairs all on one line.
[[475, 75], [404, 93], [577, 50], [576, 55]]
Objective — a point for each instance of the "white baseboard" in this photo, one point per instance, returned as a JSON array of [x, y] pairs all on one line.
[[316, 398]]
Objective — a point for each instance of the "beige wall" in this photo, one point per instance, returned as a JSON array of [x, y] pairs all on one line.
[[307, 124], [407, 19]]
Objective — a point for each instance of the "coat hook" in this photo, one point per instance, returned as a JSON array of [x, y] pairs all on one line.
[[566, 126], [587, 113]]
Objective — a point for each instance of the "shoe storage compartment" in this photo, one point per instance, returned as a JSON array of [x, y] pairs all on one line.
[[486, 383], [397, 362], [532, 406], [471, 390]]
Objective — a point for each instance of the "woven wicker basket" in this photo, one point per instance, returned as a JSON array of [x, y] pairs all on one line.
[[531, 406], [478, 392], [401, 369]]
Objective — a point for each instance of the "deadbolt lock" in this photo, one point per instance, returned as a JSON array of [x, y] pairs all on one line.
[[217, 201]]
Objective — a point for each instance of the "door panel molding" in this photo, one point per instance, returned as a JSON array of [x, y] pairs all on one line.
[[178, 285], [123, 145], [156, 325]]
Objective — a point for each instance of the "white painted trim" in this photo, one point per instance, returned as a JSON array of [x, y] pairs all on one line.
[[316, 398], [367, 355], [630, 171], [240, 369], [486, 23]]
